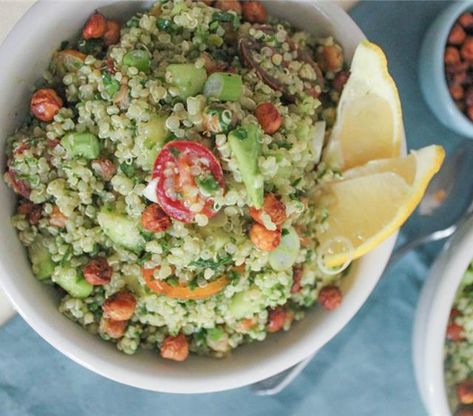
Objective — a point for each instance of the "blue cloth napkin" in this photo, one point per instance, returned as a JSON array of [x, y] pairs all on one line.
[[365, 370]]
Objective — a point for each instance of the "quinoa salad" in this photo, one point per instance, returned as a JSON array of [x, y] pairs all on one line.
[[167, 176], [459, 349]]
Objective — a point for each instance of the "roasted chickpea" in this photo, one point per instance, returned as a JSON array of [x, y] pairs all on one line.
[[454, 332], [45, 104], [120, 306], [95, 27], [175, 348], [332, 58], [469, 112], [268, 117], [57, 218], [112, 33], [31, 211], [154, 219], [276, 319], [263, 238], [465, 392], [273, 207], [340, 80], [97, 271], [330, 297], [296, 279], [228, 5], [467, 49], [246, 324], [114, 329], [104, 168], [254, 12], [466, 20], [456, 91], [457, 35]]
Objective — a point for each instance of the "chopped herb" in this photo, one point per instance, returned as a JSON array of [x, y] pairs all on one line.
[[142, 260], [222, 17], [192, 285], [207, 184], [163, 24], [133, 22], [284, 232], [170, 137], [111, 85], [233, 276], [215, 333], [127, 169], [211, 264], [240, 133], [227, 17], [172, 282], [64, 45], [296, 182], [147, 235], [284, 145], [93, 47], [174, 151]]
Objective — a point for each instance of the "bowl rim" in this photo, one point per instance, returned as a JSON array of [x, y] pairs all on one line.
[[442, 26], [446, 274], [104, 366]]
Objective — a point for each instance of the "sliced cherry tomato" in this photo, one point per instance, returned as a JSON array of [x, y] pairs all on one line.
[[188, 174], [183, 292]]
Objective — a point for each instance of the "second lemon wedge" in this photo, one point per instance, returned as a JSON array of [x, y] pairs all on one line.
[[372, 201], [369, 118]]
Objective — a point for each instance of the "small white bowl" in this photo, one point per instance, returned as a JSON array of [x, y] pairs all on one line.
[[432, 70], [433, 311], [39, 33]]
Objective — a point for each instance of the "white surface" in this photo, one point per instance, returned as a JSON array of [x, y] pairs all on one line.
[[38, 303], [432, 315]]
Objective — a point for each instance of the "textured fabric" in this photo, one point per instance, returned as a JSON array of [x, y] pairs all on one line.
[[365, 370]]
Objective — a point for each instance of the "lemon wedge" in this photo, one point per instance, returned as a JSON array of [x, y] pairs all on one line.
[[372, 201], [369, 118]]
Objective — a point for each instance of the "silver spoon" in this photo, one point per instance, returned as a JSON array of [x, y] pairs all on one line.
[[445, 206]]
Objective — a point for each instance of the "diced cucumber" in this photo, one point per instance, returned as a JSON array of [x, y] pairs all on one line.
[[246, 303], [187, 78], [121, 229], [81, 145], [285, 254], [155, 133], [72, 282], [42, 264], [246, 148]]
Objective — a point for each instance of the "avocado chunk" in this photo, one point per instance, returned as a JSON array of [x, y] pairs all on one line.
[[246, 148], [246, 303], [121, 229], [72, 282], [42, 264]]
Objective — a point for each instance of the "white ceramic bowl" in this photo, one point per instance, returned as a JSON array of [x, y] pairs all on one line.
[[24, 54], [433, 310]]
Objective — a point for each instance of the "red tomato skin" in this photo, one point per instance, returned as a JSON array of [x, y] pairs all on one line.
[[175, 208]]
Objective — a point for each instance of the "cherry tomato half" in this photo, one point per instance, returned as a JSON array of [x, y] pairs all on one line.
[[183, 292], [188, 175]]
